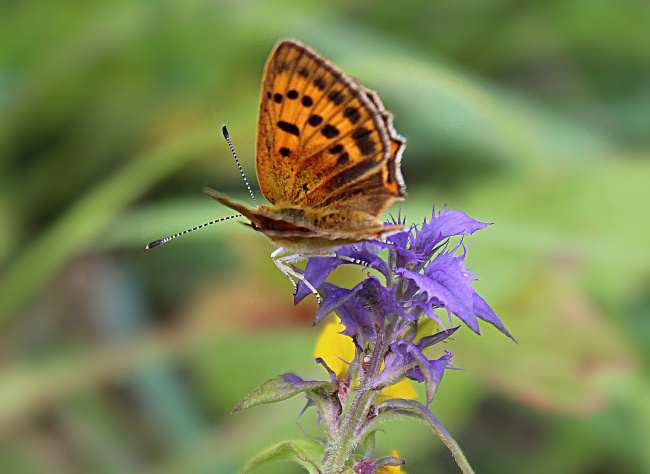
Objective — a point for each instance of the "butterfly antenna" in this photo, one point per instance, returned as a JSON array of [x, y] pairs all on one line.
[[241, 170], [155, 243]]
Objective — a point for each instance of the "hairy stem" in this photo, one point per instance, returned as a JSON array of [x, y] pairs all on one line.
[[341, 445]]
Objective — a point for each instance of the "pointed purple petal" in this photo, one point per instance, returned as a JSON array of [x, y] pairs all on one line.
[[446, 287], [429, 341], [316, 272], [448, 223], [487, 314]]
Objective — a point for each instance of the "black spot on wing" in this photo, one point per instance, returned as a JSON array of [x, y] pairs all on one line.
[[307, 101], [292, 94], [336, 96], [285, 151], [352, 114], [329, 131], [277, 98], [336, 149], [320, 82], [289, 128], [315, 120], [364, 141]]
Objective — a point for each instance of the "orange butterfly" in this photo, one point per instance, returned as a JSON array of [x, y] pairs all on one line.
[[328, 159]]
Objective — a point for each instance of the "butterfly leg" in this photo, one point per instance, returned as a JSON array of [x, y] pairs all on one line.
[[275, 258], [356, 261], [289, 271]]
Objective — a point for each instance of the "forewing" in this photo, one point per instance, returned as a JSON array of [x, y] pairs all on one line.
[[378, 189], [321, 132]]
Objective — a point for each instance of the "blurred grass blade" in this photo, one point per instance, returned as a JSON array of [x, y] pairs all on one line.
[[89, 217]]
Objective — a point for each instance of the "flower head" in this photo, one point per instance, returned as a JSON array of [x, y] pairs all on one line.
[[422, 274], [382, 343]]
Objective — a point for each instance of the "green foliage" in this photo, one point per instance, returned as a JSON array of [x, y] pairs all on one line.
[[305, 453], [415, 410], [281, 388]]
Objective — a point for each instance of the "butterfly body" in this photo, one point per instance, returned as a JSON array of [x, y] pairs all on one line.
[[327, 158], [307, 230]]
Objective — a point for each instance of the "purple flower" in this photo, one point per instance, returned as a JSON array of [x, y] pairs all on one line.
[[406, 359], [319, 268], [447, 283], [421, 275], [447, 223], [362, 309]]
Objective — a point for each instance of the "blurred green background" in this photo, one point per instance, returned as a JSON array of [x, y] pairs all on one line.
[[531, 115]]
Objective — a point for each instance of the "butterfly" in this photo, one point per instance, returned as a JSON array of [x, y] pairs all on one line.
[[327, 158]]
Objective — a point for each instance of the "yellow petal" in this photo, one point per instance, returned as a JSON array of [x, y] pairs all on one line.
[[402, 389], [332, 347]]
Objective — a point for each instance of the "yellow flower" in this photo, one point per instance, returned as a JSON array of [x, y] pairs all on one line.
[[335, 348], [402, 389]]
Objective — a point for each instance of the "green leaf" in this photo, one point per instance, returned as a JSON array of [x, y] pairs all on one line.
[[388, 461], [368, 444], [309, 454], [281, 388], [397, 408]]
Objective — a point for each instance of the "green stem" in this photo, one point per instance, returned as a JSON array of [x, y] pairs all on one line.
[[343, 443]]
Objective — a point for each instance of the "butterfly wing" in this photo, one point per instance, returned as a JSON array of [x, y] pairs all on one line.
[[300, 236], [324, 140], [376, 191], [260, 219]]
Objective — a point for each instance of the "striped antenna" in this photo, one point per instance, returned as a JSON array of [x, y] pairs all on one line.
[[155, 243], [241, 170], [226, 135]]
